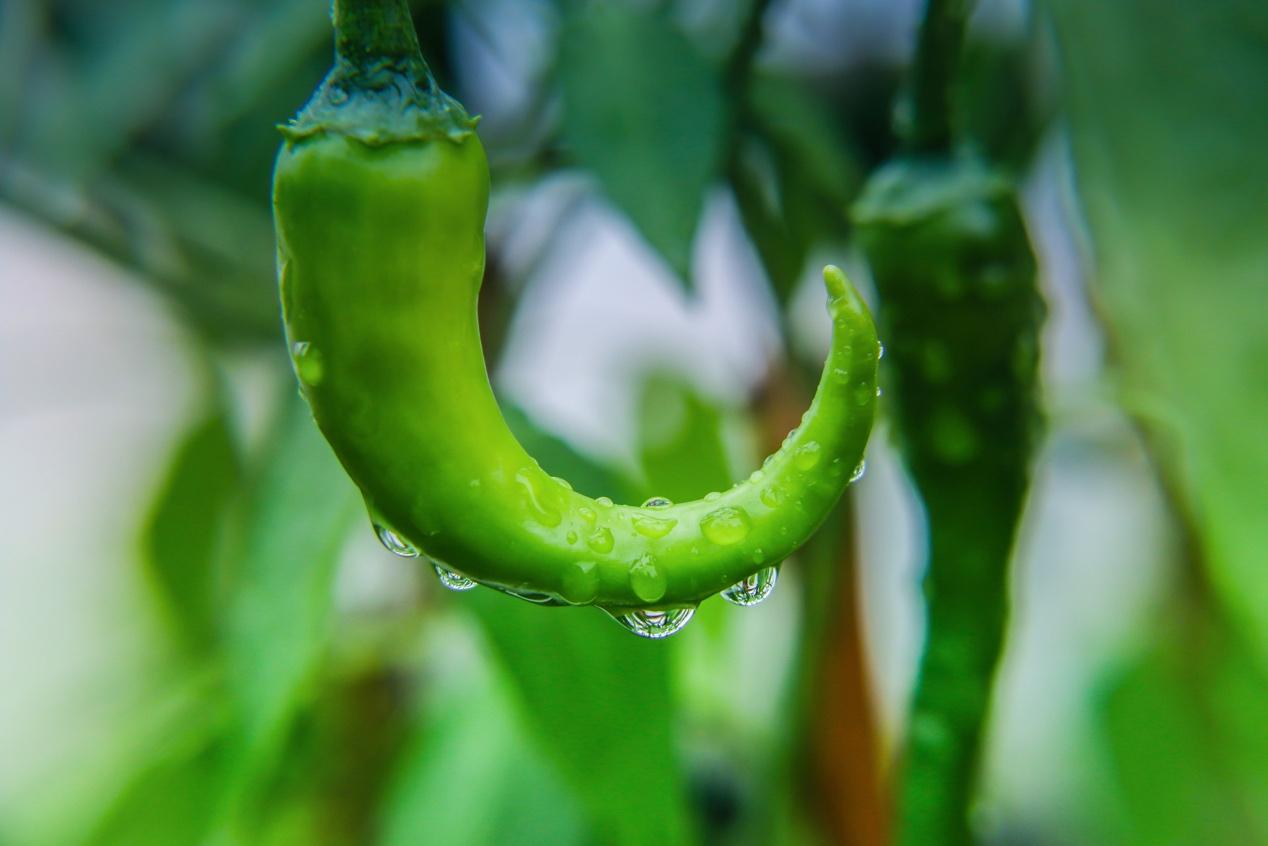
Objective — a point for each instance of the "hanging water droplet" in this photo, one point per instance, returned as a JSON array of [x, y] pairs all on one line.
[[394, 543], [654, 624], [648, 581], [859, 470], [807, 455], [450, 579], [580, 582], [601, 540], [880, 350], [309, 365], [657, 502], [654, 527], [754, 589], [726, 526]]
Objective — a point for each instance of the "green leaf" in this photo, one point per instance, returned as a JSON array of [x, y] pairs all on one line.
[[793, 179], [469, 744], [644, 111], [1187, 747], [183, 538], [1167, 123], [599, 701], [680, 441], [300, 513]]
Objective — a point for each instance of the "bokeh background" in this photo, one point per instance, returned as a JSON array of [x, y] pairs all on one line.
[[201, 641]]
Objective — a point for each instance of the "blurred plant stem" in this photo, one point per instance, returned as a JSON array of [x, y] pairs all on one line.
[[926, 127]]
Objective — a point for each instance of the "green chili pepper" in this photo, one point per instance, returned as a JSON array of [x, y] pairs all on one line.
[[961, 312], [380, 193]]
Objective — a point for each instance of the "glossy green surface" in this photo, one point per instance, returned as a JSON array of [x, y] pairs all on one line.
[[381, 255]]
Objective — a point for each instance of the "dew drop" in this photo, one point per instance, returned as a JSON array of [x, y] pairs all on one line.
[[601, 540], [654, 624], [571, 537], [752, 590], [580, 582], [450, 579], [604, 501], [309, 365], [756, 476], [543, 511], [648, 581], [840, 375], [654, 527], [863, 394], [587, 514], [880, 350], [657, 502], [394, 543], [712, 496], [771, 497], [859, 470], [807, 455], [726, 526], [562, 483]]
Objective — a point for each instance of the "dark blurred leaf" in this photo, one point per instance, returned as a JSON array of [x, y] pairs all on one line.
[[183, 538], [1169, 122], [793, 180], [1187, 744], [643, 110], [597, 699], [123, 82], [301, 509]]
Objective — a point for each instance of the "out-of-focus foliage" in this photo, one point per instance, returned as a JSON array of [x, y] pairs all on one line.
[[1168, 132], [276, 710]]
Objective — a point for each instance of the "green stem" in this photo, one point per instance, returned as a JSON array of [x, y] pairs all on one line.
[[938, 49], [368, 31]]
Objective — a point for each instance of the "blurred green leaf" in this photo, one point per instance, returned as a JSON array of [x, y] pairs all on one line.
[[1187, 746], [644, 110], [183, 538], [468, 744], [300, 512], [680, 441], [1167, 117], [793, 179]]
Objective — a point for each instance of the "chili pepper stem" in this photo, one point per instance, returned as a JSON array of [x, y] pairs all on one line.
[[369, 31]]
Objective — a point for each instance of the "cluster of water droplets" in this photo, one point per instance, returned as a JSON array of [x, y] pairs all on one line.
[[397, 545]]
